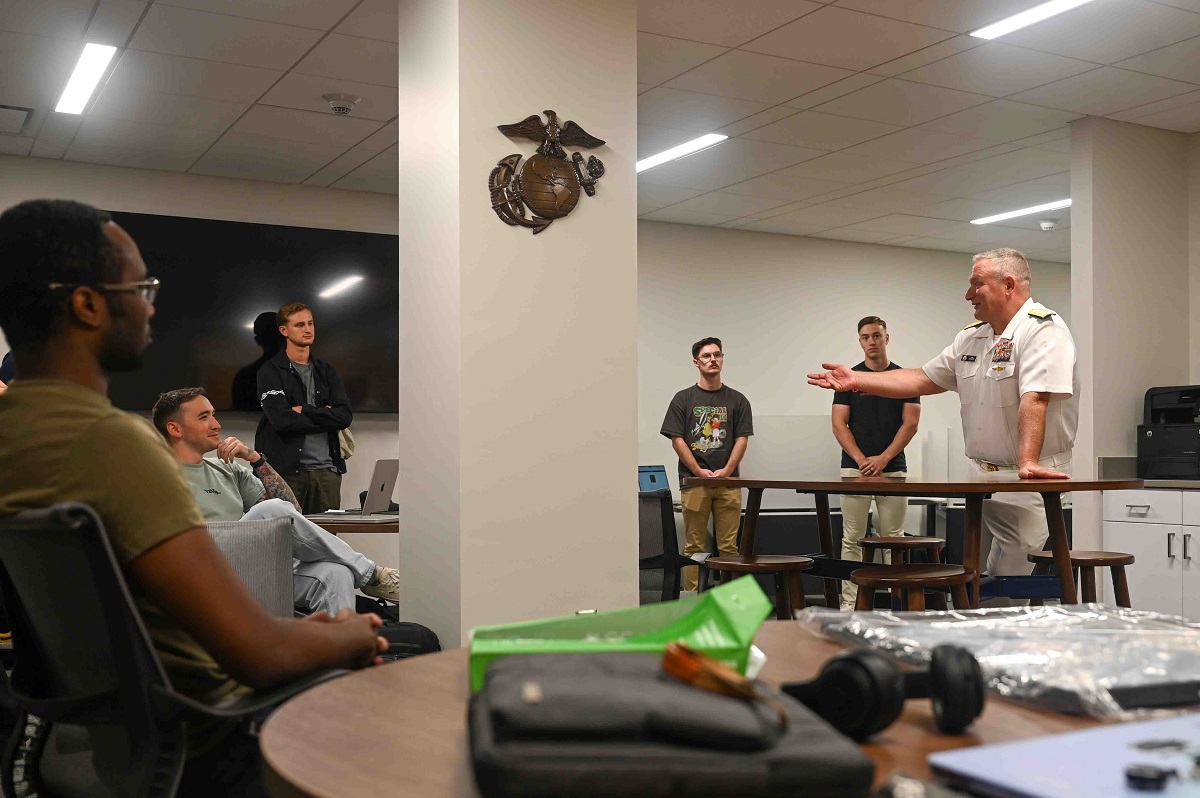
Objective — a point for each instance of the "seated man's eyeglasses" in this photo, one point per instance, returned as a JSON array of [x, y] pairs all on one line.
[[147, 289], [712, 356]]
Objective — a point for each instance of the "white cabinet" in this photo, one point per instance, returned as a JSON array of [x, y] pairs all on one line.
[[1161, 529]]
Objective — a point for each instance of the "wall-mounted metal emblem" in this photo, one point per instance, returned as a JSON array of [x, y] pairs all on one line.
[[548, 182]]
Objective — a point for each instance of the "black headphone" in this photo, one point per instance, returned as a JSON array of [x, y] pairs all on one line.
[[862, 692]]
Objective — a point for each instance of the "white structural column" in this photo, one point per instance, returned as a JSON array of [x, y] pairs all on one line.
[[1129, 287], [518, 353]]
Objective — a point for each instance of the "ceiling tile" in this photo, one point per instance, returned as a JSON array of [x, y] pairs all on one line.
[[782, 187], [971, 157], [924, 146], [120, 104], [661, 196], [62, 19], [341, 166], [296, 90], [687, 110], [172, 74], [13, 120], [731, 161], [963, 16], [929, 55], [1180, 61], [34, 69], [1029, 192], [752, 76], [848, 39], [821, 131], [998, 69], [718, 21], [904, 224], [1104, 91], [860, 236], [725, 203], [834, 90], [317, 14], [1189, 5], [255, 157], [381, 139], [961, 210], [755, 121], [991, 236], [688, 217], [941, 244], [288, 124], [55, 135], [823, 217], [352, 58], [122, 142], [1061, 233], [844, 167], [781, 209], [886, 200], [642, 87], [1001, 121], [660, 58], [899, 102], [15, 145], [1185, 119], [653, 140], [782, 225], [1058, 139], [373, 19], [114, 21], [1108, 31], [1158, 106], [218, 37], [380, 174]]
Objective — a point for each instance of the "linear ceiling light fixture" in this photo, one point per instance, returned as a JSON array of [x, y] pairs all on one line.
[[686, 148], [340, 286], [87, 74], [1000, 217], [1025, 18]]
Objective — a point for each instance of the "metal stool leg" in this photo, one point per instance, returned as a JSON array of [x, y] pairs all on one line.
[[1120, 586]]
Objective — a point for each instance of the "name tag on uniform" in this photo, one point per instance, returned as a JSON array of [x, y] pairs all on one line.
[[968, 358]]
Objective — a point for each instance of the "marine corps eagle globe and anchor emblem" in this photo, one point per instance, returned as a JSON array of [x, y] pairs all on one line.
[[547, 183]]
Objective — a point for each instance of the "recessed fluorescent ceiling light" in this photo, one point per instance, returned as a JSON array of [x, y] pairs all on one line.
[[1035, 14], [340, 286], [687, 148], [87, 74], [1049, 206]]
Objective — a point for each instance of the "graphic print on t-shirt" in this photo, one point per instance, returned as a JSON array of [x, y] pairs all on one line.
[[709, 430]]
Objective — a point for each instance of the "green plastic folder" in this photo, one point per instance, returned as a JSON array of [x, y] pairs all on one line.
[[720, 622]]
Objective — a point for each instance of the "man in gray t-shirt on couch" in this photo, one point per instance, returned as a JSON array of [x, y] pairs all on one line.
[[326, 570]]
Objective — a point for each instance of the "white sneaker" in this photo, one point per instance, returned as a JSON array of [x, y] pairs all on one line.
[[384, 584]]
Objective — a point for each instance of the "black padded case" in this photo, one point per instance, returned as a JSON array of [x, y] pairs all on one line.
[[614, 725]]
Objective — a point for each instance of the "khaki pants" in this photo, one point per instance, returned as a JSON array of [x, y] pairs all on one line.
[[890, 512], [725, 507]]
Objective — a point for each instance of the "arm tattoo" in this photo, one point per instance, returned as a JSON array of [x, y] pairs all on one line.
[[275, 486]]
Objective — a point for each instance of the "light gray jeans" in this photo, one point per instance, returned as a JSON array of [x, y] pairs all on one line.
[[326, 570]]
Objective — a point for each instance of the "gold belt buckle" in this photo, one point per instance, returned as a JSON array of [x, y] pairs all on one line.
[[989, 466]]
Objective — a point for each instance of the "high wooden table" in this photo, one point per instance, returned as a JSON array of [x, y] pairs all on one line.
[[402, 727], [357, 524], [973, 493]]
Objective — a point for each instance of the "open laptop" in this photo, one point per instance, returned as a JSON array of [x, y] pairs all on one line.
[[379, 497]]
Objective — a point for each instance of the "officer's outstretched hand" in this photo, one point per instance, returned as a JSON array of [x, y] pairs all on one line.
[[837, 378], [1035, 471]]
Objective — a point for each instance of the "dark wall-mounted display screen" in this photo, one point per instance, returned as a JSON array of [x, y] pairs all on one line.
[[218, 276]]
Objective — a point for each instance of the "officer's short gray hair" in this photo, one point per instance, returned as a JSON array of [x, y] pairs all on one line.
[[1007, 261]]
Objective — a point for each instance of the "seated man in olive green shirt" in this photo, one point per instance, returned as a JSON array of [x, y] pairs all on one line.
[[85, 308], [326, 569]]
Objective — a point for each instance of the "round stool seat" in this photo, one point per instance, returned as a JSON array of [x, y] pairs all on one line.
[[760, 563], [905, 576], [903, 542], [1099, 559]]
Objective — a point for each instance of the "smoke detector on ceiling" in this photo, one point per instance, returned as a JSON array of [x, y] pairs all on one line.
[[1048, 224], [340, 104]]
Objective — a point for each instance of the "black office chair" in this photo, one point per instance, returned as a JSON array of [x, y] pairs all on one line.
[[658, 548], [83, 658]]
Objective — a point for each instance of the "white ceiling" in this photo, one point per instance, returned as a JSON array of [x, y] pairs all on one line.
[[211, 87], [860, 120]]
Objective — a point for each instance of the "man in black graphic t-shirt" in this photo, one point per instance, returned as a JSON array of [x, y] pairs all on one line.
[[873, 431], [709, 425]]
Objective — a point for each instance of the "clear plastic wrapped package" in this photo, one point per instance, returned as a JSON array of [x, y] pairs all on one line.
[[1091, 659]]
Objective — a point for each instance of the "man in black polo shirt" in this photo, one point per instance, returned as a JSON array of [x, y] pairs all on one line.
[[873, 432]]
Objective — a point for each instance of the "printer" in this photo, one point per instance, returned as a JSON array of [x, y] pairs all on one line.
[[1168, 439]]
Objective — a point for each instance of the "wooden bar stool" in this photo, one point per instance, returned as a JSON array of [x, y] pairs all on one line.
[[904, 545], [1087, 562], [909, 582], [786, 568]]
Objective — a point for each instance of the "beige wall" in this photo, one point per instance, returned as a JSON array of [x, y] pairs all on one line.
[[782, 305], [519, 417]]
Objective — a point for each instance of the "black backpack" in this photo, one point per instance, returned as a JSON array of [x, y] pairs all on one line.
[[405, 639]]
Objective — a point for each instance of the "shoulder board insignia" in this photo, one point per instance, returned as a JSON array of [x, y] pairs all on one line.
[[973, 325], [1041, 313]]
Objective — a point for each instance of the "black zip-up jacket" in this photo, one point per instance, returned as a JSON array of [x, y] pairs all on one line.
[[281, 430]]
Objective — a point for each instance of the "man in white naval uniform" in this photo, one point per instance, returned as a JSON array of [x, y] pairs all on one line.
[[1015, 375]]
